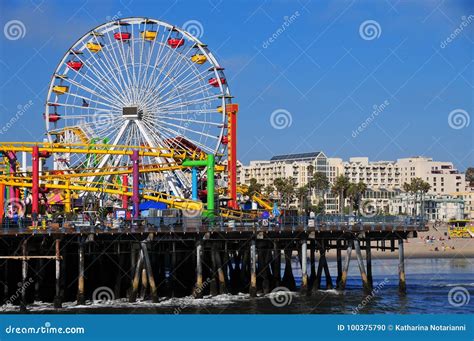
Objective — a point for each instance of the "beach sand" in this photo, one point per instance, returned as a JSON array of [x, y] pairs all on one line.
[[419, 248]]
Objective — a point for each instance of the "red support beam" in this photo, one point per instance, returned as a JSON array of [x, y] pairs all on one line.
[[2, 202], [135, 184], [125, 189], [231, 111], [35, 159]]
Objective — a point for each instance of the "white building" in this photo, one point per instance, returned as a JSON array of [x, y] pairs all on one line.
[[435, 207], [442, 176], [384, 179], [378, 174]]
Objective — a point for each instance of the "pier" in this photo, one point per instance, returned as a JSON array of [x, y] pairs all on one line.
[[153, 259]]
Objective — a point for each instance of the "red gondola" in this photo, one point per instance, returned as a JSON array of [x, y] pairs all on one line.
[[122, 36], [215, 83], [44, 154], [52, 117], [225, 140], [175, 42], [75, 65]]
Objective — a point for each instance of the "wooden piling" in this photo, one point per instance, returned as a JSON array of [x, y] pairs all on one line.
[[198, 290], [312, 261], [402, 287], [368, 257], [220, 272], [339, 262], [213, 284], [149, 272], [80, 280], [136, 278], [346, 266], [253, 268], [324, 262], [24, 273], [276, 264], [304, 270], [360, 261], [57, 297]]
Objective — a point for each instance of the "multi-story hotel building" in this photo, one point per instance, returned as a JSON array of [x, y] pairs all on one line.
[[384, 179]]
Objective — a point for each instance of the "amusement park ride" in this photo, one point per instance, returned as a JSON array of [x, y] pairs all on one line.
[[136, 109]]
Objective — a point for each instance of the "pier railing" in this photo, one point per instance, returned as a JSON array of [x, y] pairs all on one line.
[[184, 224]]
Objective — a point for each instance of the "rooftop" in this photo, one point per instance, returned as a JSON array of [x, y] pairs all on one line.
[[296, 157]]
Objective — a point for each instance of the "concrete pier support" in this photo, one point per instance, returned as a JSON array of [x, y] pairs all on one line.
[[253, 269], [345, 269], [80, 279], [360, 261], [402, 286], [304, 270], [57, 297]]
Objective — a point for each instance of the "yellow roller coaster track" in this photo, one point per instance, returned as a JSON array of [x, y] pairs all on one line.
[[109, 188], [259, 198], [102, 149]]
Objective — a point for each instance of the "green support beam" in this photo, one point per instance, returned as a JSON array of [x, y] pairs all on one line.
[[209, 163]]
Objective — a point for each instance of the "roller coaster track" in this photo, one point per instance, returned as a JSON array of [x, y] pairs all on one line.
[[101, 149], [109, 188], [259, 198]]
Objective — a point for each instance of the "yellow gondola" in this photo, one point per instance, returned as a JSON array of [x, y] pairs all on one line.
[[199, 59], [60, 89], [219, 109], [149, 35], [94, 47]]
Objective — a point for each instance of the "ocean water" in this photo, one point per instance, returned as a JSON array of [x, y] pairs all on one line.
[[434, 286]]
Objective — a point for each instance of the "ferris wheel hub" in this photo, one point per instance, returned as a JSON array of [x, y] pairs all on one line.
[[132, 113]]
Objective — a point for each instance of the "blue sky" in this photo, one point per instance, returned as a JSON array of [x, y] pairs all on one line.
[[323, 72]]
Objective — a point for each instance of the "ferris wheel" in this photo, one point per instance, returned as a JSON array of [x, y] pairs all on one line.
[[138, 82]]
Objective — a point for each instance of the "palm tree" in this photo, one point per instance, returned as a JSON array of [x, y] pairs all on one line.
[[355, 192], [302, 194], [254, 187], [286, 189], [339, 188], [416, 187], [268, 190]]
